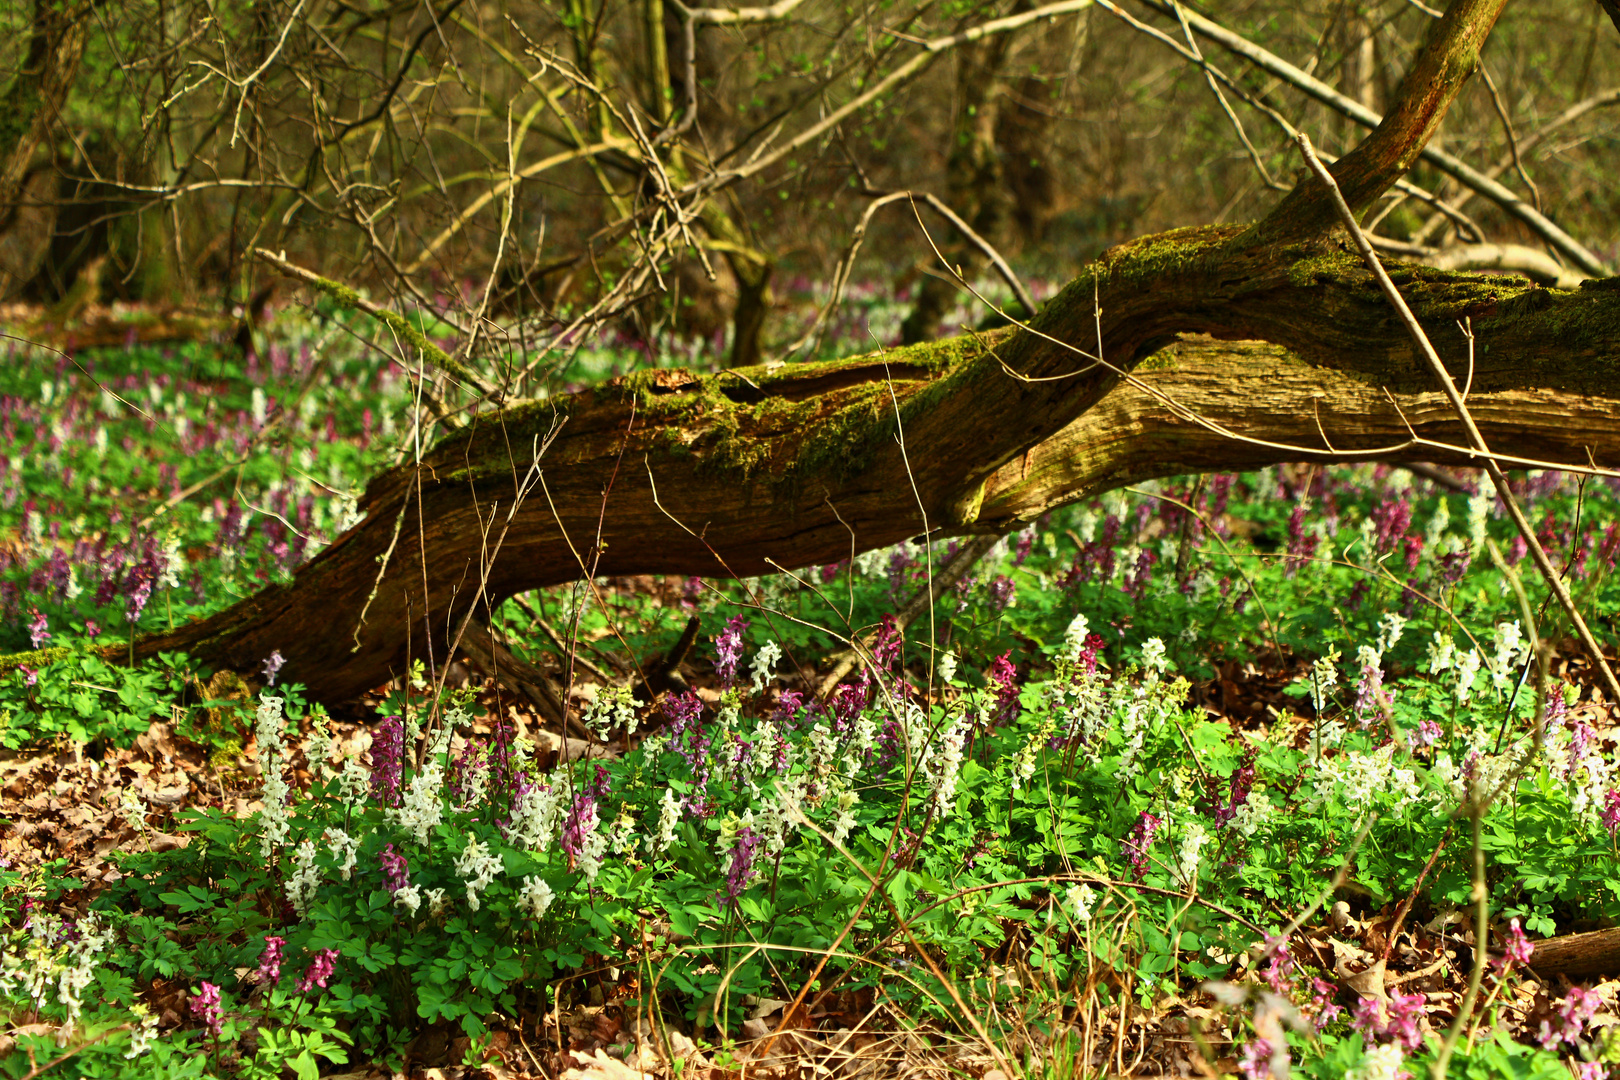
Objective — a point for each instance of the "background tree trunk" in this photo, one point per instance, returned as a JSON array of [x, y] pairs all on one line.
[[29, 108], [974, 181]]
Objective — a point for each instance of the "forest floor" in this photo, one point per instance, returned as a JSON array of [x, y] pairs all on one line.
[[1191, 780]]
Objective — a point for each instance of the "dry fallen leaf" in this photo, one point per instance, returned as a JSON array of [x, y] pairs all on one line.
[[601, 1066]]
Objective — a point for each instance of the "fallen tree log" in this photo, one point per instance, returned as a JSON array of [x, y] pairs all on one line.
[[1578, 955], [1144, 366], [668, 472]]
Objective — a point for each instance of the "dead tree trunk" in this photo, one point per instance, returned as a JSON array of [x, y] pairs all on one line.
[[751, 470]]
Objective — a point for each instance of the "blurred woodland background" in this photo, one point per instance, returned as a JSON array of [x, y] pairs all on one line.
[[680, 174]]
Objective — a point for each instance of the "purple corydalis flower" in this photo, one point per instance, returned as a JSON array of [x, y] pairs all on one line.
[[1256, 1062], [319, 970], [1321, 1008], [848, 701], [584, 814], [741, 871], [388, 760], [1141, 838], [1004, 675], [272, 667], [1241, 784], [1000, 593], [270, 960], [92, 629], [1372, 702], [728, 648], [886, 649], [138, 586], [30, 676], [1301, 545], [1517, 949], [1577, 1010], [207, 1008], [1280, 967], [38, 631], [787, 707], [1136, 581], [395, 868], [1611, 812], [1397, 1019]]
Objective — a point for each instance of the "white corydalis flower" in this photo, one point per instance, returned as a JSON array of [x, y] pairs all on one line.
[[1154, 662], [1468, 665], [1390, 628], [1081, 899], [669, 816], [408, 897], [271, 755], [763, 668], [345, 849], [1324, 677], [1442, 653], [613, 706], [1187, 860], [1074, 638], [477, 867], [304, 880], [1511, 652], [535, 897]]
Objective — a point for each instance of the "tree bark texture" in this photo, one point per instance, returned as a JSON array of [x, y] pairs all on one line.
[[751, 470]]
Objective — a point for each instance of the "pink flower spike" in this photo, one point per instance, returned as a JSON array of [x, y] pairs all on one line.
[[270, 960], [206, 1007], [319, 970], [1518, 947]]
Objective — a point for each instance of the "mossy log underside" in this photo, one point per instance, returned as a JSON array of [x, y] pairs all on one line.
[[751, 470]]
